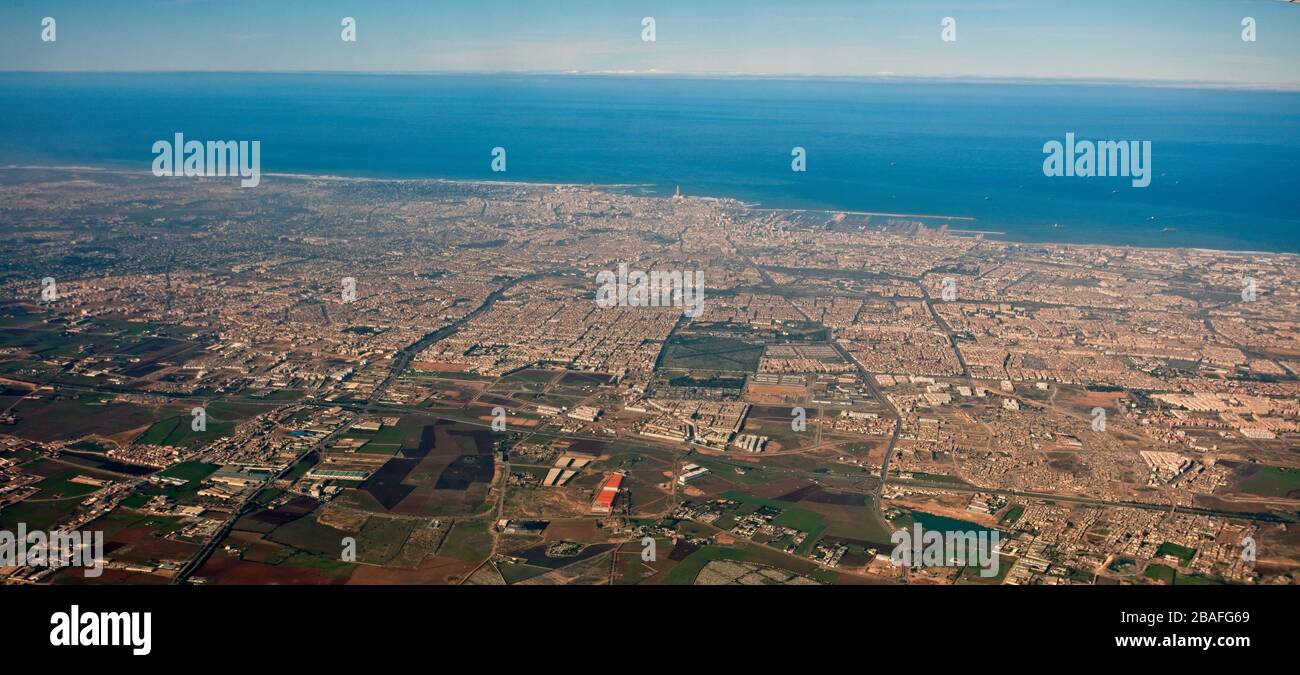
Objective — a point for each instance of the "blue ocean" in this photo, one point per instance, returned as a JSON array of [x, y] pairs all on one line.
[[1225, 163]]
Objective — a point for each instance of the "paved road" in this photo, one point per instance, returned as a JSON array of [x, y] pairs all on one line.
[[893, 438], [1191, 510], [194, 563]]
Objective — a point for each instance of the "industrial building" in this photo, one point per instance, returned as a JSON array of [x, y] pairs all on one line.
[[606, 494]]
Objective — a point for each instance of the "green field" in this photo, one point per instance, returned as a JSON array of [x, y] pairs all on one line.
[[389, 449], [309, 534], [44, 342], [60, 485], [688, 569], [712, 354], [1271, 481], [387, 435], [685, 572], [49, 419], [37, 515], [791, 516], [191, 471], [177, 430], [331, 565], [301, 468], [1012, 515], [753, 475], [1181, 552], [529, 376], [468, 541], [1160, 573], [89, 446], [381, 538], [159, 526]]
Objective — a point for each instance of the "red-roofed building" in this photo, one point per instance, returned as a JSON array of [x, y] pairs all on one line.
[[606, 494]]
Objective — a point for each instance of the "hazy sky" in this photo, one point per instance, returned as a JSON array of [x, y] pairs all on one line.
[[1183, 40]]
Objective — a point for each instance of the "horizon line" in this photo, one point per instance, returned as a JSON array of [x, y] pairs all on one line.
[[872, 77]]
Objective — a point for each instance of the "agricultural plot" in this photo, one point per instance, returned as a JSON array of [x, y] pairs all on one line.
[[688, 570], [1269, 481], [178, 431], [468, 541], [142, 538], [49, 419], [441, 468]]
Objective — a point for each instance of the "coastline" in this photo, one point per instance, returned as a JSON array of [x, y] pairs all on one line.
[[990, 235]]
